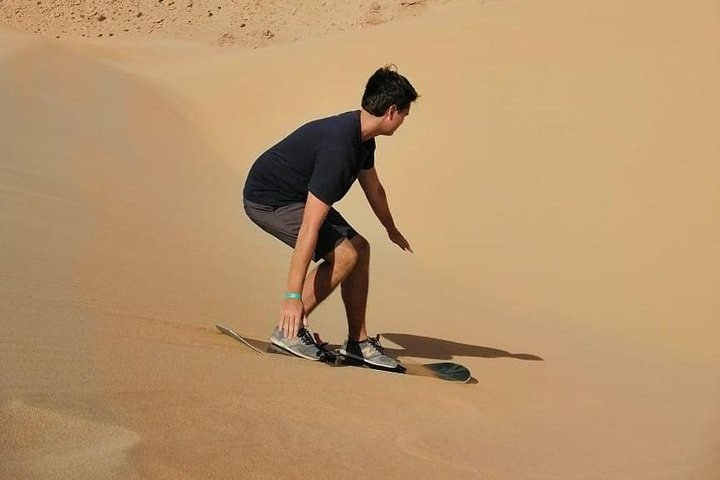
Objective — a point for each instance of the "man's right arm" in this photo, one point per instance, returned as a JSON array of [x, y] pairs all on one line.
[[293, 312]]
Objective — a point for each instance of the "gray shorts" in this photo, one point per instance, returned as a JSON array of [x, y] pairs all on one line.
[[284, 223]]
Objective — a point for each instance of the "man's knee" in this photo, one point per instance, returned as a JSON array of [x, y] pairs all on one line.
[[350, 252], [344, 255], [362, 247]]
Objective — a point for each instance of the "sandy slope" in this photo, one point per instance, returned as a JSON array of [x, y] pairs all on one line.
[[558, 180]]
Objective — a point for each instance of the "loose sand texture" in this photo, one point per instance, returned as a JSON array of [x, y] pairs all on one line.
[[221, 22], [558, 179]]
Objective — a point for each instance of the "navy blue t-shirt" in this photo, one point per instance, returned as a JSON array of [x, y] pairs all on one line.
[[323, 157]]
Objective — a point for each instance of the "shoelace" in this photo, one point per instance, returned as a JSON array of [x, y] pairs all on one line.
[[326, 354], [375, 342], [305, 336]]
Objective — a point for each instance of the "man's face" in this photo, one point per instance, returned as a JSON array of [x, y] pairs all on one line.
[[394, 118]]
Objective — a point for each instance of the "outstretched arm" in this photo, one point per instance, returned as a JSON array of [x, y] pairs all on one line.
[[375, 193]]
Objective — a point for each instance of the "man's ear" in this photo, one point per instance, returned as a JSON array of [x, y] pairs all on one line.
[[391, 111]]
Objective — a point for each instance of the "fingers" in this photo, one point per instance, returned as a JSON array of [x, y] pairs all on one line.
[[297, 323], [282, 325], [404, 244], [294, 326], [292, 318], [289, 326], [399, 239], [408, 247]]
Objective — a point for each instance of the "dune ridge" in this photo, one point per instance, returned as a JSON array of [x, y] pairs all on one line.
[[223, 23]]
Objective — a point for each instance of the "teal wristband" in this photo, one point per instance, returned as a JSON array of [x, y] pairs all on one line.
[[295, 296]]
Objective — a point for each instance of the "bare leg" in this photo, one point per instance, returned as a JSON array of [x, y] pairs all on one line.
[[355, 291], [321, 282], [349, 265]]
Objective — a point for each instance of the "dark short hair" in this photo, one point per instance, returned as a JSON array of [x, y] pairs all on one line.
[[387, 87]]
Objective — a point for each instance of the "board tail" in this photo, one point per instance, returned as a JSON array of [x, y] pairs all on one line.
[[231, 333]]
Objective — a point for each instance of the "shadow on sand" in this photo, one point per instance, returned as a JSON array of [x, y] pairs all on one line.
[[435, 348], [416, 346]]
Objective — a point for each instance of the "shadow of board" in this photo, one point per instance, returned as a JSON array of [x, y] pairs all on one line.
[[436, 348]]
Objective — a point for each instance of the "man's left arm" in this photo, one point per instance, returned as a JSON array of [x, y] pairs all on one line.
[[375, 193]]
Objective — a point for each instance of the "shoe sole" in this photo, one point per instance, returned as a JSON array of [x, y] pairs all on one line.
[[365, 362], [278, 344]]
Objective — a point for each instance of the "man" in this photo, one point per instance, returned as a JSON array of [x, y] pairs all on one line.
[[289, 193]]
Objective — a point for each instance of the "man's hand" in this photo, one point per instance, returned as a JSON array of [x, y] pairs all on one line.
[[292, 317], [397, 238]]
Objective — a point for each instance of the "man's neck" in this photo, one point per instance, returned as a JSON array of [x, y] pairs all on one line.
[[369, 125]]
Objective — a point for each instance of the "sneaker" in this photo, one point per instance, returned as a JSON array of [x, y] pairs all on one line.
[[370, 352], [303, 345]]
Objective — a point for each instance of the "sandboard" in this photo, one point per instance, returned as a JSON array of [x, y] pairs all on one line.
[[448, 371]]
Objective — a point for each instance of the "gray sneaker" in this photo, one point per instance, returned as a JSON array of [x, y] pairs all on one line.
[[369, 352], [303, 345]]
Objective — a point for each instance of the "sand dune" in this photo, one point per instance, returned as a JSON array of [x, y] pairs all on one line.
[[558, 180]]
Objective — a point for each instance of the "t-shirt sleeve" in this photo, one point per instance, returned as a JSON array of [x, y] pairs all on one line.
[[369, 158], [332, 175]]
